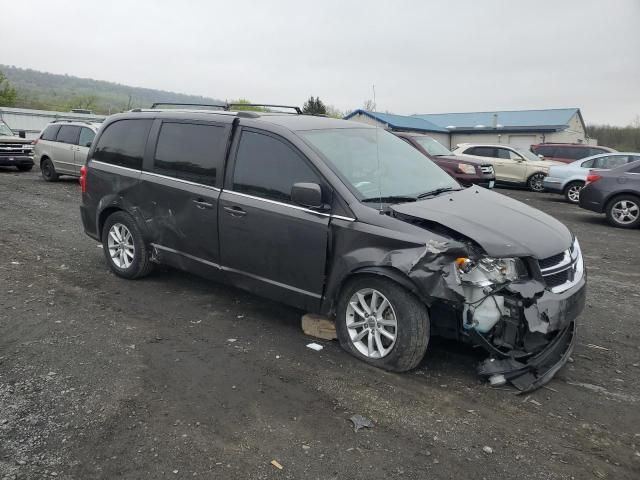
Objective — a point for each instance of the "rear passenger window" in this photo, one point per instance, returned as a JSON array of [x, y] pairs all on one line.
[[588, 163], [50, 132], [123, 143], [68, 134], [268, 168], [189, 151], [546, 151], [86, 137], [482, 151]]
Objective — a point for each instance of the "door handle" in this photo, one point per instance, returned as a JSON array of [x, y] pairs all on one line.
[[235, 211], [200, 203]]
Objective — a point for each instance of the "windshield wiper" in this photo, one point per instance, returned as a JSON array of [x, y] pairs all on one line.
[[438, 191], [391, 199]]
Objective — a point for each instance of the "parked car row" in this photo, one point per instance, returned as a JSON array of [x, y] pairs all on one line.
[[569, 180]]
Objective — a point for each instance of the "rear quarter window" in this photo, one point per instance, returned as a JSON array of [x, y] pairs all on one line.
[[123, 143]]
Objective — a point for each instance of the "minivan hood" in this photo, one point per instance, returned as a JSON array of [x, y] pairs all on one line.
[[503, 227]]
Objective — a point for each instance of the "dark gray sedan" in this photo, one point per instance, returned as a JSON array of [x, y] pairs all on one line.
[[616, 193]]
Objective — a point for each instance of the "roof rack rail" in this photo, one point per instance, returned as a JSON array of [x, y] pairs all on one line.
[[267, 105], [222, 106], [59, 120]]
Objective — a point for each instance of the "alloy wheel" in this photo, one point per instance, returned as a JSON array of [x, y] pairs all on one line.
[[625, 212], [371, 323], [573, 193], [536, 182], [121, 247]]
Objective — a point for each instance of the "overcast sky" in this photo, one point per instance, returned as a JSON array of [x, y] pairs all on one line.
[[423, 56]]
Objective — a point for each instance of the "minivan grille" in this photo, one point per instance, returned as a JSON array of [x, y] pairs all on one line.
[[563, 270], [556, 279], [488, 169], [551, 261]]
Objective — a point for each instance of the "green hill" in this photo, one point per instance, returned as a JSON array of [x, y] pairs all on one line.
[[48, 91]]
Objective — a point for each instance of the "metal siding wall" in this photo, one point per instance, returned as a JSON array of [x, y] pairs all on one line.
[[34, 121]]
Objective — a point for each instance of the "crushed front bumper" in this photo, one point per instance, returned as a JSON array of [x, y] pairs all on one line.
[[528, 371]]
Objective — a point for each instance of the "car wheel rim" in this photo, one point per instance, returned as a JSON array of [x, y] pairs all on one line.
[[120, 244], [46, 169], [625, 212], [574, 193], [372, 323], [536, 183]]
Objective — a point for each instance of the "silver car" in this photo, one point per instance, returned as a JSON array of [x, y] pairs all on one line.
[[569, 179], [62, 148]]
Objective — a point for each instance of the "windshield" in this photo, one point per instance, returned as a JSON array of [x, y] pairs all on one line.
[[377, 164], [433, 147], [5, 130], [529, 156]]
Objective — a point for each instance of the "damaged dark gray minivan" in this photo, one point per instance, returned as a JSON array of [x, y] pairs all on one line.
[[342, 219]]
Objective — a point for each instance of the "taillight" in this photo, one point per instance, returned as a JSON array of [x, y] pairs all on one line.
[[592, 178], [83, 178]]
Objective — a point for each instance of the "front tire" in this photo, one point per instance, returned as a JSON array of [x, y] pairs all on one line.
[[24, 168], [124, 248], [572, 192], [535, 182], [48, 170], [381, 323], [624, 211]]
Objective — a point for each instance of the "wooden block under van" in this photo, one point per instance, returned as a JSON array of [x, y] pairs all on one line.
[[318, 326]]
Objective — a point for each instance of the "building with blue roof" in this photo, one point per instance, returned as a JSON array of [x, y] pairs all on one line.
[[516, 127]]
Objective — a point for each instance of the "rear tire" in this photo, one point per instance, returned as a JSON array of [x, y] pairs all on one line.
[[48, 170], [124, 247], [399, 348], [572, 192], [535, 182], [623, 211], [24, 168]]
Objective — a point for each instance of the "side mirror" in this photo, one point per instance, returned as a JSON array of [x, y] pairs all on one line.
[[88, 144], [540, 156], [22, 134], [307, 194]]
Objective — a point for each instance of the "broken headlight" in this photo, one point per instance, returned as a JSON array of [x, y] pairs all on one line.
[[488, 271]]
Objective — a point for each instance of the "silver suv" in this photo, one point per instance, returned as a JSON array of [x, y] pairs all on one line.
[[62, 147]]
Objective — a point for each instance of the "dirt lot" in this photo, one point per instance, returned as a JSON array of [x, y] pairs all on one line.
[[176, 377]]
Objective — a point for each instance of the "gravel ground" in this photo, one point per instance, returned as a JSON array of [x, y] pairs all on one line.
[[173, 376]]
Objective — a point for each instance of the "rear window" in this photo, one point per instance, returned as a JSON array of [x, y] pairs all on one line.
[[123, 143], [68, 134], [189, 151], [50, 132], [86, 137], [572, 153]]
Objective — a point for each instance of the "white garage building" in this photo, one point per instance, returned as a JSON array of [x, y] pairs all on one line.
[[517, 127]]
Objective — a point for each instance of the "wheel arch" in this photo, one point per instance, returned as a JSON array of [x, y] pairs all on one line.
[[390, 273], [620, 193], [112, 208]]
